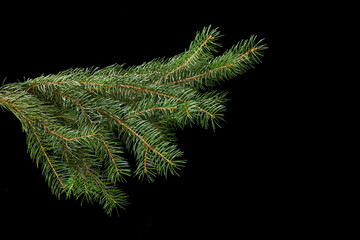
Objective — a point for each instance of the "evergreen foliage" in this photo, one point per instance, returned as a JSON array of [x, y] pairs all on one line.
[[79, 122]]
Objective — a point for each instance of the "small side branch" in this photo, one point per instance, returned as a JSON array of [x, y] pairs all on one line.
[[110, 153], [62, 137], [136, 134], [99, 182], [187, 61], [213, 70], [76, 101], [37, 139], [140, 89], [147, 110], [91, 135]]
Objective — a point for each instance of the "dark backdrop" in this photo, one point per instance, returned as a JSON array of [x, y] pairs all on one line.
[[235, 181]]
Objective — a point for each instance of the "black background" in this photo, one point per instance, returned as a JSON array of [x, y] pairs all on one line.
[[238, 179]]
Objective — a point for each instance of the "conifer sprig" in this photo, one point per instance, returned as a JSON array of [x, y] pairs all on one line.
[[80, 122]]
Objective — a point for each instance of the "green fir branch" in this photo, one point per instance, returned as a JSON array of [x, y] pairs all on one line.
[[80, 122]]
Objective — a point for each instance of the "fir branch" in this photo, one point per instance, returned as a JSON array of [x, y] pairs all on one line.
[[79, 122]]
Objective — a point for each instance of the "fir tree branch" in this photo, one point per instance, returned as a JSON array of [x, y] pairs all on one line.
[[79, 122]]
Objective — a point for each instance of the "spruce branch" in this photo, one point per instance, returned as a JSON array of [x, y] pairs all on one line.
[[79, 122]]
